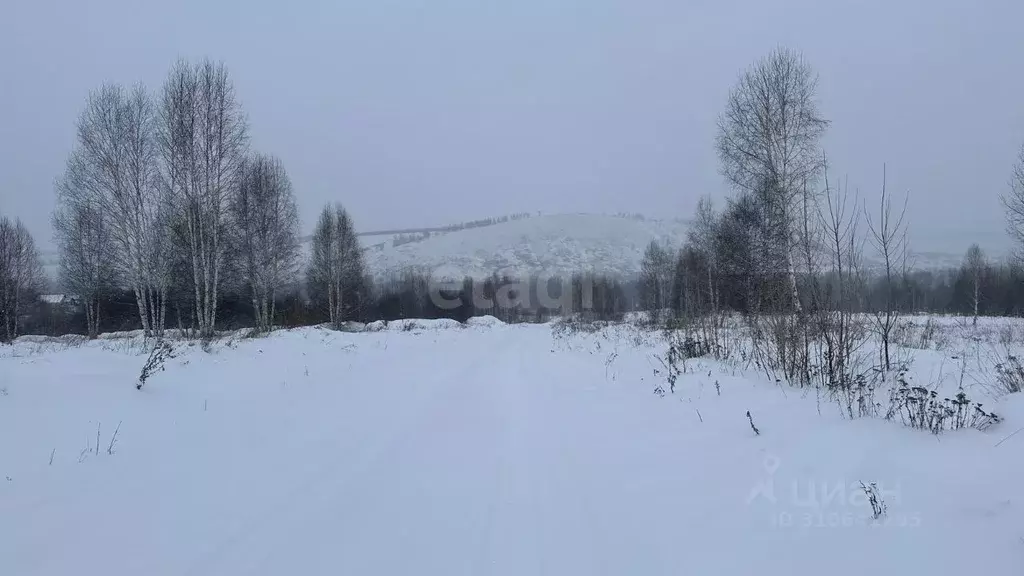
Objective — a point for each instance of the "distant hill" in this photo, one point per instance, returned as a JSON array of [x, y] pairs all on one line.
[[555, 244], [558, 244]]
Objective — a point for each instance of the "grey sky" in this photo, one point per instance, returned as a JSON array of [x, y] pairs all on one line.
[[427, 112]]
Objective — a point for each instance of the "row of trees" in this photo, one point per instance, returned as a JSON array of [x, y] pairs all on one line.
[[486, 222], [671, 280], [787, 250], [21, 275], [407, 295], [161, 194]]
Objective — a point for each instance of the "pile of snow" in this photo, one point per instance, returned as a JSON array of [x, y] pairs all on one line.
[[376, 326], [352, 326], [486, 321], [406, 325], [411, 324], [478, 452]]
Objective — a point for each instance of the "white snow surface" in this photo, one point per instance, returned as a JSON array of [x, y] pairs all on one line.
[[498, 449]]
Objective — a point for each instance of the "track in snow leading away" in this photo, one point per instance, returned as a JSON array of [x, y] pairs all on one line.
[[493, 450]]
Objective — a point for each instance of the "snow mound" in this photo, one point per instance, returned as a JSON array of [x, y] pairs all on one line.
[[376, 326], [487, 321], [409, 324], [123, 335], [34, 339], [352, 326]]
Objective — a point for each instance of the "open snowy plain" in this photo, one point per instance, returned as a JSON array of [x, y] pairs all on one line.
[[480, 449]]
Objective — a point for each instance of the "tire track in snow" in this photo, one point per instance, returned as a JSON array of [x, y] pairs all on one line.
[[334, 485]]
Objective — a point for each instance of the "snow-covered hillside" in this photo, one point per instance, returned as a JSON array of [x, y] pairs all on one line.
[[441, 449], [554, 245]]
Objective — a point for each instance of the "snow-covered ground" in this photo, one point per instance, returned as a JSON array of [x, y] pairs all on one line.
[[482, 449]]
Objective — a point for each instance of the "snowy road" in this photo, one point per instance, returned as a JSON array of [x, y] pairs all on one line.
[[486, 478], [478, 452]]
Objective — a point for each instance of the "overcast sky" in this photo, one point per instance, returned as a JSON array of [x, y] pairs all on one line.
[[428, 112]]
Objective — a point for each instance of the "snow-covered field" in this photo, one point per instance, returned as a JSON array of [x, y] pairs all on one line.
[[485, 449]]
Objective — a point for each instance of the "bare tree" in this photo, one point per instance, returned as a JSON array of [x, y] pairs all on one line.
[[1013, 203], [835, 291], [768, 141], [113, 170], [202, 140], [889, 236], [336, 264], [656, 271], [974, 266], [21, 273], [320, 275], [702, 237], [86, 250], [145, 211], [349, 267], [265, 225]]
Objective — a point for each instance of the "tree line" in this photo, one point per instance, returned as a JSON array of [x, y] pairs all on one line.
[[165, 213], [789, 233], [162, 187], [163, 197], [978, 287], [790, 249]]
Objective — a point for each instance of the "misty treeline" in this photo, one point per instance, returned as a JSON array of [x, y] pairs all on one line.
[[812, 267], [21, 275], [166, 218], [409, 294], [978, 287]]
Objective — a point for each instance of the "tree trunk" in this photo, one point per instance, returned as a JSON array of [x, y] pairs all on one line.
[[976, 301], [140, 300], [791, 270]]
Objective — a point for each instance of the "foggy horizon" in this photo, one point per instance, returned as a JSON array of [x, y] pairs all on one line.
[[428, 114]]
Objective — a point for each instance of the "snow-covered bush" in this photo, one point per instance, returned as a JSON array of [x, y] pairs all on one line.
[[161, 352], [923, 409], [673, 362], [878, 507], [573, 325], [1009, 375], [931, 335]]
